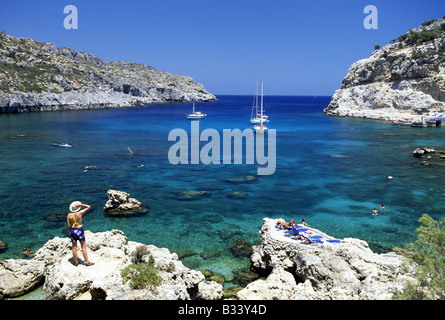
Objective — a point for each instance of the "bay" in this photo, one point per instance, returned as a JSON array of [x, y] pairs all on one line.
[[330, 171]]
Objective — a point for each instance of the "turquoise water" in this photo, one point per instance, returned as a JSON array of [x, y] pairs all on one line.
[[331, 171]]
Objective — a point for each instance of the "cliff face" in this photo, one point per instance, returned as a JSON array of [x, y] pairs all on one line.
[[37, 76], [405, 75]]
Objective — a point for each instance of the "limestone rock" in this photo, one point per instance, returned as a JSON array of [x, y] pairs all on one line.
[[111, 252], [396, 80], [345, 270], [279, 285], [19, 276], [120, 203], [210, 290]]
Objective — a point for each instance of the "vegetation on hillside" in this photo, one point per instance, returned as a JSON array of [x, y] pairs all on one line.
[[426, 34], [141, 273], [428, 254]]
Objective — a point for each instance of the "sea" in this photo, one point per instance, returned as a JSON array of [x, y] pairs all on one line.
[[330, 171]]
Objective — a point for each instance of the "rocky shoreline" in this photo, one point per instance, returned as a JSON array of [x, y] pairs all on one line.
[[398, 79], [293, 270], [348, 270], [111, 252], [37, 76]]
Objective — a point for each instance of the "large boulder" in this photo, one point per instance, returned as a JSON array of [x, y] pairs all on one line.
[[19, 276], [329, 270], [120, 203], [279, 285]]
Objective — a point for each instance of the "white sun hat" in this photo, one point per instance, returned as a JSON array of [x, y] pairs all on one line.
[[75, 206]]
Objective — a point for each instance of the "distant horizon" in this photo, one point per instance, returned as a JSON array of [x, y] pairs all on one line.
[[298, 49]]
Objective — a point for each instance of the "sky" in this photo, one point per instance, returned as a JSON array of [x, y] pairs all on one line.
[[296, 47]]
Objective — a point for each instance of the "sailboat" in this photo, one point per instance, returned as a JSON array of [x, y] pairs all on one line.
[[260, 127], [195, 114], [256, 119]]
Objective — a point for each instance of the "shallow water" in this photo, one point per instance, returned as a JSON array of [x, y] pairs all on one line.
[[331, 171]]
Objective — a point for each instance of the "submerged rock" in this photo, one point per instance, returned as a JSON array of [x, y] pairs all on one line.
[[242, 179], [193, 194], [237, 195], [241, 248], [3, 246], [244, 277]]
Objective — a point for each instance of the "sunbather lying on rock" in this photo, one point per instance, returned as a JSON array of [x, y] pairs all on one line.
[[286, 225]]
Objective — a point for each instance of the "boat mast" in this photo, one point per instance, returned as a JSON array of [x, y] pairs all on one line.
[[261, 118], [255, 103]]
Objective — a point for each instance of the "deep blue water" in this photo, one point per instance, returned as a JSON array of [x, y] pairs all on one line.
[[331, 171]]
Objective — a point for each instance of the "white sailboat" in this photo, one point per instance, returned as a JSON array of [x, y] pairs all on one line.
[[260, 127], [257, 118], [195, 114]]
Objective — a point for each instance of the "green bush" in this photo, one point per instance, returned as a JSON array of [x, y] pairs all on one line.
[[139, 253], [142, 274], [428, 253], [413, 37], [427, 23], [403, 37], [417, 55]]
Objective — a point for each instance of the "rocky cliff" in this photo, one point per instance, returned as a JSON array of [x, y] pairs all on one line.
[[37, 76], [397, 79]]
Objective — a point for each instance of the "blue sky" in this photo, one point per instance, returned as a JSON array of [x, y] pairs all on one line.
[[296, 47]]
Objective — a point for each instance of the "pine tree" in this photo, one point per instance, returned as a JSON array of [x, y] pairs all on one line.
[[428, 253]]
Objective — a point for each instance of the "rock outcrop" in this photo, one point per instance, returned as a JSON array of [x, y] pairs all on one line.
[[322, 271], [295, 270], [19, 276], [402, 77], [111, 252], [120, 204], [37, 76]]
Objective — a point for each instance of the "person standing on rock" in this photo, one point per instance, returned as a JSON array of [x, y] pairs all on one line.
[[75, 229]]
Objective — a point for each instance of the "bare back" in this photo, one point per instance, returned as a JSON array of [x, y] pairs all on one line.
[[75, 219]]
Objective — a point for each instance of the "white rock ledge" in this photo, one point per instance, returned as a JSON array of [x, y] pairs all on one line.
[[321, 271], [111, 252]]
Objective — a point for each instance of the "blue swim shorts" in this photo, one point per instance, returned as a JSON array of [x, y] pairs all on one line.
[[77, 234]]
